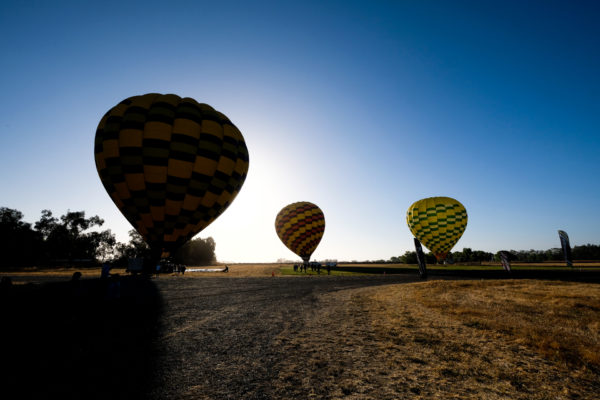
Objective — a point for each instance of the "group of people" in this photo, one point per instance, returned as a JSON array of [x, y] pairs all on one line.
[[169, 267], [314, 266]]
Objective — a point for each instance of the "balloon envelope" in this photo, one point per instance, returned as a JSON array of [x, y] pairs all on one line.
[[300, 226], [438, 222], [170, 164]]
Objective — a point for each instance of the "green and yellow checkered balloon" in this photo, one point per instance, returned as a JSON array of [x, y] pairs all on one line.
[[170, 164], [438, 223]]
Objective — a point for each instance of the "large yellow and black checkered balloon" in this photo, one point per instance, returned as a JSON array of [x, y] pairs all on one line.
[[300, 226], [170, 164], [438, 222]]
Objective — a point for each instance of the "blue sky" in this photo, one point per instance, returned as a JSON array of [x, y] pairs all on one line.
[[359, 107]]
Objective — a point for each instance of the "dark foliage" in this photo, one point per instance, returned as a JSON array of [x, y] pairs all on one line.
[[68, 240], [586, 252], [136, 248], [74, 240], [19, 244], [197, 252], [410, 257]]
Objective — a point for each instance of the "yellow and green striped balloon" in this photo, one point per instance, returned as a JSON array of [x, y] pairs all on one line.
[[438, 223], [300, 226], [170, 164]]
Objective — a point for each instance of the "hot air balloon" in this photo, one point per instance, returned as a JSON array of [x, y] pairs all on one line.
[[170, 164], [438, 222], [300, 226]]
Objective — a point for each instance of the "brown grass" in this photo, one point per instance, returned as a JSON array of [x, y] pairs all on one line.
[[576, 264], [443, 339], [560, 320], [61, 272], [509, 339], [240, 270], [235, 270]]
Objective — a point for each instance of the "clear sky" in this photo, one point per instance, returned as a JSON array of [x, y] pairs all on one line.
[[361, 107]]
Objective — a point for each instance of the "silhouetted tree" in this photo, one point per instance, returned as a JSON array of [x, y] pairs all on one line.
[[135, 248], [104, 243], [19, 244], [479, 255], [46, 224], [430, 258], [197, 252], [69, 239], [586, 252], [409, 257], [468, 255]]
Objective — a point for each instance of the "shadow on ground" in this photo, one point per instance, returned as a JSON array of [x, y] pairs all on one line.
[[86, 339], [176, 337]]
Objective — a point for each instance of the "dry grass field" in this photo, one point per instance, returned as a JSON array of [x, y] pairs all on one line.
[[241, 270], [448, 339], [435, 339], [235, 270], [32, 274], [248, 270]]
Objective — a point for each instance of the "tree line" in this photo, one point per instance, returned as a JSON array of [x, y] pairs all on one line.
[[74, 240], [585, 252]]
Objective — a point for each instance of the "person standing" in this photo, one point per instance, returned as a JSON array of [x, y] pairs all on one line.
[[105, 271]]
